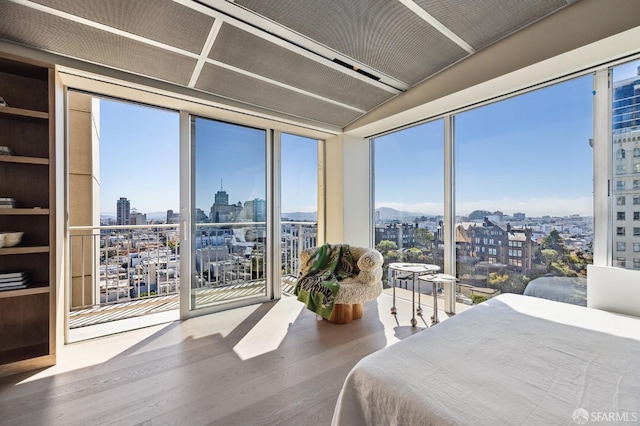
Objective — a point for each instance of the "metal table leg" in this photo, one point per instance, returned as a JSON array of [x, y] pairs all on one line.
[[394, 311], [414, 322], [434, 318], [419, 311]]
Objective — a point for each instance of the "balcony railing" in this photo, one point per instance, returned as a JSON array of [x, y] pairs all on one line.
[[115, 264], [112, 264]]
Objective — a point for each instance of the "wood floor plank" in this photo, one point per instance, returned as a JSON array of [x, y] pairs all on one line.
[[270, 364]]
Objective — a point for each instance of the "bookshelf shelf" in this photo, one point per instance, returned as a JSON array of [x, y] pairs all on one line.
[[27, 319]]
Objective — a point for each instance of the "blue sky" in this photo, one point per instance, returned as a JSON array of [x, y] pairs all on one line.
[[529, 154], [526, 154], [139, 157], [139, 160], [232, 156]]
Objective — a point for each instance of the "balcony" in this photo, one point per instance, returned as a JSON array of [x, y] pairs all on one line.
[[121, 272]]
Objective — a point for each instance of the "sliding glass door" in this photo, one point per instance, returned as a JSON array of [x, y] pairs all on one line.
[[229, 213]]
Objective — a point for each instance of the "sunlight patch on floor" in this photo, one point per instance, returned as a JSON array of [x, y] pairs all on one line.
[[270, 331], [76, 356]]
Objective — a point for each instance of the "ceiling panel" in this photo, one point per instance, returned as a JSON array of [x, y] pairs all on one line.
[[160, 20], [246, 51], [234, 85], [383, 34], [480, 23], [246, 63], [31, 27]]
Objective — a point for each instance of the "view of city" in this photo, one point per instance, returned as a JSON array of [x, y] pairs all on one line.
[[523, 197], [137, 243], [496, 253]]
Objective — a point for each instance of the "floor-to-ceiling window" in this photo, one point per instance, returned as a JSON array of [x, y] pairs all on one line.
[[523, 194], [625, 118], [299, 201], [409, 188], [123, 193], [230, 210], [131, 167]]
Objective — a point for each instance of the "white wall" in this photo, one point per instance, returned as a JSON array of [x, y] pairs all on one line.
[[348, 193]]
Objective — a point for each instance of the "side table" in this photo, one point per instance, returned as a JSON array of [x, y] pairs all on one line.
[[436, 279], [414, 269]]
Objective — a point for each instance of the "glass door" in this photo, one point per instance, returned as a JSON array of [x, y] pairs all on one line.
[[299, 201], [229, 214]]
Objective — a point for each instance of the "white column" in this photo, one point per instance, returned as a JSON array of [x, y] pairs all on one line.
[[602, 235], [348, 190], [448, 232]]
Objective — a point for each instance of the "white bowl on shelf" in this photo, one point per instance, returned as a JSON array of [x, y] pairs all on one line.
[[12, 238], [1, 240]]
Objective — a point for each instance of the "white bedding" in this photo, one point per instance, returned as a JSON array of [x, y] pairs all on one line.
[[511, 360]]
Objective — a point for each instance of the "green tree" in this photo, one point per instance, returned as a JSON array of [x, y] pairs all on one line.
[[412, 254], [554, 241], [388, 257], [423, 237], [561, 269], [385, 246], [478, 298], [497, 280], [550, 256], [394, 256]]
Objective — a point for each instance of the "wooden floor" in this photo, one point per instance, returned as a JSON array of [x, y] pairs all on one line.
[[269, 364]]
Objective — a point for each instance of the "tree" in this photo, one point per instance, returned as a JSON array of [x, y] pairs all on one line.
[[385, 246], [497, 280], [478, 298], [555, 242], [549, 255], [423, 237], [412, 254]]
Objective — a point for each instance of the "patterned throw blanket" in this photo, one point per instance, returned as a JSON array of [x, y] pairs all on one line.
[[317, 288]]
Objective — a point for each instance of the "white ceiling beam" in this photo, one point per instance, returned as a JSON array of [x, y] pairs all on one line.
[[437, 25], [275, 33], [211, 38], [103, 27]]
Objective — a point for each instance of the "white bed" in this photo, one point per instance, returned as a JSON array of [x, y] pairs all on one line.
[[511, 360]]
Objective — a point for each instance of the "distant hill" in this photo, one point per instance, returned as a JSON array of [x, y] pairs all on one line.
[[158, 216], [301, 216], [387, 213]]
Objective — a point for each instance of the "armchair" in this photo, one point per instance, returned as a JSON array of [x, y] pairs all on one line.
[[365, 285]]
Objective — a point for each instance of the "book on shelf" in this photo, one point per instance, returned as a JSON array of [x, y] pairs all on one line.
[[12, 275], [16, 281], [13, 287]]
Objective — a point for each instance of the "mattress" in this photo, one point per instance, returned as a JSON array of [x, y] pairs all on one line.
[[511, 360]]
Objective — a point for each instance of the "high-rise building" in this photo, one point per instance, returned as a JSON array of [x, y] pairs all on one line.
[[222, 211], [123, 209], [221, 197], [255, 210], [136, 218], [626, 182], [173, 217]]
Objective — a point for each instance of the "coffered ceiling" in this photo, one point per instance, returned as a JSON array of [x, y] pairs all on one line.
[[324, 61]]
